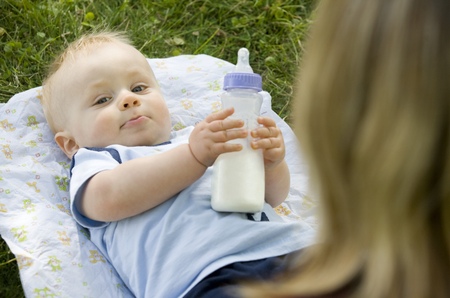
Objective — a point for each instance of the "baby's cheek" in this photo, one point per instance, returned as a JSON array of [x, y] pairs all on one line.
[[102, 130]]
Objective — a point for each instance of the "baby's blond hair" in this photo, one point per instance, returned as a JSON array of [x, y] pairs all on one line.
[[52, 103]]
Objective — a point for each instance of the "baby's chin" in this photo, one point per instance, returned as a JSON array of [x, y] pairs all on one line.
[[145, 142], [139, 139]]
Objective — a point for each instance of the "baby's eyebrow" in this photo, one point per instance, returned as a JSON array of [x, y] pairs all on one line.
[[133, 71], [97, 84]]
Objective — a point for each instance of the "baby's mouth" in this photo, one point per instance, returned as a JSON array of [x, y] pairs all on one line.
[[134, 121]]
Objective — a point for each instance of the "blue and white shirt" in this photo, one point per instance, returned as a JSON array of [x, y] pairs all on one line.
[[167, 250]]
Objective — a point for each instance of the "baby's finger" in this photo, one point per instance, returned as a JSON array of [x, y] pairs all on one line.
[[220, 115], [266, 121], [267, 143], [227, 135], [221, 125], [220, 148], [266, 132]]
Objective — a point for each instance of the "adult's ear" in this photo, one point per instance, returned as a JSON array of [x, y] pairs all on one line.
[[66, 142]]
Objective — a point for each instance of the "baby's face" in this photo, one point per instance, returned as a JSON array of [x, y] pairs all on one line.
[[112, 97]]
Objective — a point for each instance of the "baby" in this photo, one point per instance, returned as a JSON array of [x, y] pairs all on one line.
[[144, 191]]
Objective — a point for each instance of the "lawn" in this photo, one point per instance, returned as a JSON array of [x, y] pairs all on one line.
[[33, 32]]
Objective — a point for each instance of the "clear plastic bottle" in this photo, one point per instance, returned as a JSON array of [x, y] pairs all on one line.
[[238, 177]]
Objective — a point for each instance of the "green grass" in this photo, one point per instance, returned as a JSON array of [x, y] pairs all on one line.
[[9, 274], [33, 32]]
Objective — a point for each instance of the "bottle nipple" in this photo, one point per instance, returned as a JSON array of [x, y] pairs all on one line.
[[242, 77], [243, 63]]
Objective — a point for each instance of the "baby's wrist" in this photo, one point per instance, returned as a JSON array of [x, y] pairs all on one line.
[[273, 165], [195, 157]]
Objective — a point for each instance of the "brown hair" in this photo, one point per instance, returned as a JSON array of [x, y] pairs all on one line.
[[371, 111]]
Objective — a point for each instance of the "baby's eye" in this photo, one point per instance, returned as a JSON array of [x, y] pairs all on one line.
[[138, 89], [102, 100]]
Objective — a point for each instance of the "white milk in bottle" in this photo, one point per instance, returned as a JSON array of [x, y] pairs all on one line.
[[238, 177]]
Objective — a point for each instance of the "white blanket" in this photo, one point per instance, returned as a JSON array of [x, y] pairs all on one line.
[[55, 256]]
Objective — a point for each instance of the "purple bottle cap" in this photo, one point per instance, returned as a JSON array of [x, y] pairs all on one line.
[[241, 80]]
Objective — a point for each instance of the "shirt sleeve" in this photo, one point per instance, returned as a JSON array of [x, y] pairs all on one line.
[[85, 164]]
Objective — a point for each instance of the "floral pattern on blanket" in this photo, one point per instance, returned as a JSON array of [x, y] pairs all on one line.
[[54, 255]]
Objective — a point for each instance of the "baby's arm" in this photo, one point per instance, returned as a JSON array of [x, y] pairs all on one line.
[[141, 184], [270, 139]]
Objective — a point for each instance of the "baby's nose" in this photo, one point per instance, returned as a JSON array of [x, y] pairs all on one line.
[[129, 102]]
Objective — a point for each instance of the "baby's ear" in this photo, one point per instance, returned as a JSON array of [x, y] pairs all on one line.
[[66, 142]]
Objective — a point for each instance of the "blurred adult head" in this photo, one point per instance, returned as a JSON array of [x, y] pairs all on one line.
[[371, 111]]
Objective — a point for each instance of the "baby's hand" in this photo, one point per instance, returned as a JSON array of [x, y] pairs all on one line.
[[270, 139], [208, 139]]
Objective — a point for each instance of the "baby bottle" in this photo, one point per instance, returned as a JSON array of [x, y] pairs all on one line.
[[238, 177]]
